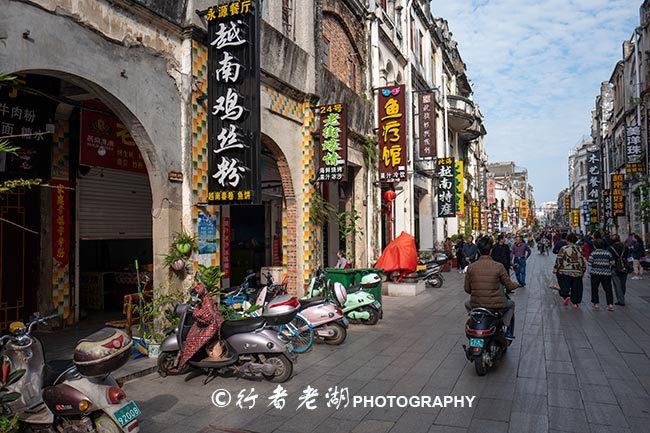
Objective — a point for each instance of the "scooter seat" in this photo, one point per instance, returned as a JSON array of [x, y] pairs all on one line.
[[354, 288], [55, 371], [232, 327], [306, 303]]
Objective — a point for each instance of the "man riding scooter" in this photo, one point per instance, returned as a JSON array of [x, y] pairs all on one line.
[[484, 280]]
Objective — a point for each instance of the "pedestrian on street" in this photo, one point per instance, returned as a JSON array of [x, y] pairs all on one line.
[[600, 263], [587, 246], [560, 243], [570, 266], [448, 246], [638, 252], [501, 253], [620, 252], [470, 251], [520, 253], [342, 262], [459, 253]]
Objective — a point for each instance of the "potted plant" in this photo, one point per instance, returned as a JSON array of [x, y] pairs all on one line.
[[8, 420], [158, 318], [182, 247], [210, 277]]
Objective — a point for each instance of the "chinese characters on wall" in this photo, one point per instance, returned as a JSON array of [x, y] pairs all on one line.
[[607, 207], [233, 95], [427, 120], [392, 133], [60, 222], [633, 150], [333, 143], [459, 187], [594, 180], [575, 218], [618, 197], [446, 189]]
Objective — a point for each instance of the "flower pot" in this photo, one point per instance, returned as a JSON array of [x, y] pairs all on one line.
[[178, 265], [153, 350]]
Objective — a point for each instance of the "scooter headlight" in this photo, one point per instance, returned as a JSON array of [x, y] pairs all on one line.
[[84, 405]]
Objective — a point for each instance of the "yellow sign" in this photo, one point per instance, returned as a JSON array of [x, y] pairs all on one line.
[[459, 186], [523, 208], [575, 218]]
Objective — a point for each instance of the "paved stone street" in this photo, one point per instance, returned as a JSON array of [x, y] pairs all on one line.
[[568, 370]]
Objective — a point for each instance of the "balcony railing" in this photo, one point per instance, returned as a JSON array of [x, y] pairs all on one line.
[[462, 113]]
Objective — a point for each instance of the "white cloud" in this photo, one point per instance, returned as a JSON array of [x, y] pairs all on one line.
[[536, 66]]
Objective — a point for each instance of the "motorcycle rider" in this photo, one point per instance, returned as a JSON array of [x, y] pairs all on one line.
[[483, 282]]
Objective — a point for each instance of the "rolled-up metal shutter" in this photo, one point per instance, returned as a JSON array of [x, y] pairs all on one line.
[[114, 204]]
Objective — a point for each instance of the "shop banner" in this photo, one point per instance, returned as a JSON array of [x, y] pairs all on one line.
[[607, 208], [392, 133], [491, 186], [333, 155], [634, 150], [459, 188], [586, 213], [523, 208], [60, 222], [594, 177], [476, 216], [234, 101], [504, 215], [106, 142], [446, 192], [427, 120], [618, 197], [593, 214], [225, 246], [567, 203], [207, 229], [575, 218]]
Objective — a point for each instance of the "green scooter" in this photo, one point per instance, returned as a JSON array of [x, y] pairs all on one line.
[[360, 307]]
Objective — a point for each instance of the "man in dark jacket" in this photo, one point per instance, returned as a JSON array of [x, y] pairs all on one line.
[[501, 252], [483, 282], [470, 252], [459, 253], [559, 244]]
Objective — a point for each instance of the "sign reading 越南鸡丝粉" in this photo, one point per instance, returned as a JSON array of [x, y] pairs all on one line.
[[634, 150], [391, 115], [446, 193], [333, 156], [234, 102], [594, 177], [618, 196], [427, 120]]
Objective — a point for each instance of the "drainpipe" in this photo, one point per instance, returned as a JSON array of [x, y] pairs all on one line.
[[374, 79], [410, 178]]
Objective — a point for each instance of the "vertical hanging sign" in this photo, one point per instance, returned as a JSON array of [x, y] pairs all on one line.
[[634, 150], [476, 215], [594, 180], [427, 120], [567, 203], [333, 156], [575, 218], [446, 193], [618, 197], [234, 103], [60, 222], [607, 208], [392, 133], [459, 186]]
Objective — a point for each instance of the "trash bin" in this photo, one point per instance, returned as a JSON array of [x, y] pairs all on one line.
[[350, 277]]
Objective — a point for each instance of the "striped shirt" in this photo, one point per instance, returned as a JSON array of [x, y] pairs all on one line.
[[600, 262]]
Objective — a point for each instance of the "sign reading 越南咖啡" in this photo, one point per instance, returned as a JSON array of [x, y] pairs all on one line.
[[333, 156], [391, 115], [427, 120], [618, 196], [234, 101], [445, 191]]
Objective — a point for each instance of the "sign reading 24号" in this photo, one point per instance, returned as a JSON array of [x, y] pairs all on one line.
[[234, 102]]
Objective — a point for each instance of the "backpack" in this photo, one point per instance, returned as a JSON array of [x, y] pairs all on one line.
[[620, 262]]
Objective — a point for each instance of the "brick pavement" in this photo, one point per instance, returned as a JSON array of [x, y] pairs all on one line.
[[568, 370]]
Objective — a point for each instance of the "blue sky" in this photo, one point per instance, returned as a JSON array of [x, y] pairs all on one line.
[[536, 67]]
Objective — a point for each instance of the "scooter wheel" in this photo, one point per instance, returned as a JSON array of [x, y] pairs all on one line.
[[104, 424], [283, 368], [167, 363], [435, 282], [481, 368], [374, 315], [339, 338]]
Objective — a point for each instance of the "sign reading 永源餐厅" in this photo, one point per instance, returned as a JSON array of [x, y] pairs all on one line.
[[391, 107], [333, 156], [445, 170], [234, 102]]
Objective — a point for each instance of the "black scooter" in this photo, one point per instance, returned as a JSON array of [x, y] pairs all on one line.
[[487, 342]]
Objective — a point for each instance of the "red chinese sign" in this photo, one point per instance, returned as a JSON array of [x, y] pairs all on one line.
[[491, 185], [392, 133], [106, 142], [225, 246], [60, 222]]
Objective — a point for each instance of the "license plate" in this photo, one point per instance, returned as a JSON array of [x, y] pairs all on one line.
[[345, 321], [421, 267], [376, 304], [475, 342], [127, 413]]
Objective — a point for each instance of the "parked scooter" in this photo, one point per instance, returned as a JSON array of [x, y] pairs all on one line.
[[487, 344], [360, 306], [69, 396], [428, 270], [255, 349], [326, 318]]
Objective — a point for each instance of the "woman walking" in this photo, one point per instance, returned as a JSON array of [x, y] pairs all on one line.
[[638, 251], [570, 266], [620, 252], [600, 265]]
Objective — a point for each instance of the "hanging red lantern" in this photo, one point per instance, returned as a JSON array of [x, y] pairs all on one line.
[[390, 195]]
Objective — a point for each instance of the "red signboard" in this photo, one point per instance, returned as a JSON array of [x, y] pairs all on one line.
[[60, 222], [490, 191], [106, 142], [225, 246], [391, 112]]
